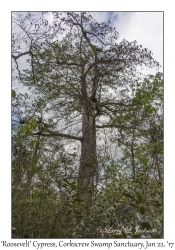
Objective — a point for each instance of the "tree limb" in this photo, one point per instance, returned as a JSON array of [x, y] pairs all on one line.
[[103, 104], [21, 54], [54, 133], [114, 126]]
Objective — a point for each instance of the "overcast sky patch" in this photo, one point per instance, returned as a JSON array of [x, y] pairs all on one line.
[[144, 27]]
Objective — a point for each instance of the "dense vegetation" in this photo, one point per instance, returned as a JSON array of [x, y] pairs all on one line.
[[84, 100]]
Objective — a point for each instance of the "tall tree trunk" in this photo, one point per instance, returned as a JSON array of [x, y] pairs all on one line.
[[88, 161]]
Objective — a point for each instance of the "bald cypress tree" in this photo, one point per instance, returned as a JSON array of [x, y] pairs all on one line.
[[82, 75]]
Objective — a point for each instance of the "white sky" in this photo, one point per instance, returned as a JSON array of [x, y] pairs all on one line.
[[148, 30], [144, 27]]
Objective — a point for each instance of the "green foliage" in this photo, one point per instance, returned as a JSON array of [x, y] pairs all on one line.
[[62, 74], [13, 93], [28, 127], [142, 210], [51, 207]]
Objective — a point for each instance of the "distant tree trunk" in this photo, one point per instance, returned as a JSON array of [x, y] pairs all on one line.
[[133, 157], [88, 161]]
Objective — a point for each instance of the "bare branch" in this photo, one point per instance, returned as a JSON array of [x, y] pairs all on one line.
[[103, 104], [21, 54], [54, 133], [114, 126]]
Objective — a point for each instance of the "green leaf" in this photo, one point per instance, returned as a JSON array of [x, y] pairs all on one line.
[[13, 93], [128, 195], [140, 198], [72, 184], [133, 230], [77, 199], [66, 182], [74, 196], [66, 187], [73, 188], [145, 225], [142, 210]]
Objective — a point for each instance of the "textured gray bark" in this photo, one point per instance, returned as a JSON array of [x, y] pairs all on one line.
[[88, 161]]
